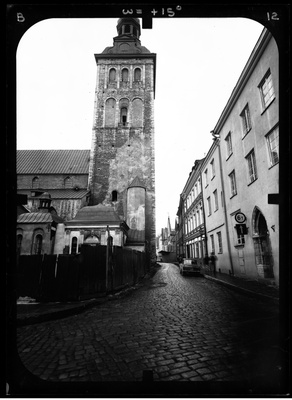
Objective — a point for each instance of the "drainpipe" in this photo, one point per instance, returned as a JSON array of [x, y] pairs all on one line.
[[204, 216], [216, 137]]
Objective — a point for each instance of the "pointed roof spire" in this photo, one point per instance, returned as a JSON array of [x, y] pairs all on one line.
[[137, 182]]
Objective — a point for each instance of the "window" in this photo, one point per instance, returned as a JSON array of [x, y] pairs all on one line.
[[37, 245], [125, 75], [215, 194], [251, 163], [212, 243], [137, 75], [19, 241], [219, 239], [35, 183], [209, 206], [267, 89], [74, 245], [112, 75], [198, 217], [124, 112], [68, 183], [114, 195], [228, 145], [110, 112], [212, 168], [206, 177], [273, 146], [245, 117], [232, 181]]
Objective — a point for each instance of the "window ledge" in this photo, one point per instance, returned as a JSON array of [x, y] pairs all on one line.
[[246, 133], [272, 166], [229, 156], [250, 183], [265, 109]]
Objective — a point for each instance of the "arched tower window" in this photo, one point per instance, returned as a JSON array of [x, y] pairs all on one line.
[[124, 113], [124, 107], [125, 74], [112, 75], [137, 113], [35, 183], [110, 112], [137, 75]]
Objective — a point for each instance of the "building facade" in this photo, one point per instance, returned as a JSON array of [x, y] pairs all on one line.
[[239, 172], [36, 231], [122, 149], [248, 132], [215, 209], [194, 238]]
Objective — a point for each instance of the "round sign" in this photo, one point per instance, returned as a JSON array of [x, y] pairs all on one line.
[[240, 217]]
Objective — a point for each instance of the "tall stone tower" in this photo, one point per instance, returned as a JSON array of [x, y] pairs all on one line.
[[121, 172]]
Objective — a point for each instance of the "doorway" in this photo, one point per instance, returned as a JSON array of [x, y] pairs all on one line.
[[262, 246]]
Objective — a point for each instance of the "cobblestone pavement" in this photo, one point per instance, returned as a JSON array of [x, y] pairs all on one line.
[[180, 328]]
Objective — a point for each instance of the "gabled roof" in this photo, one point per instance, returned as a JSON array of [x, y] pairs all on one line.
[[52, 161]]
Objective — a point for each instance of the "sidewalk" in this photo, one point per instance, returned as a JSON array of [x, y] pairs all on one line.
[[247, 286], [31, 312]]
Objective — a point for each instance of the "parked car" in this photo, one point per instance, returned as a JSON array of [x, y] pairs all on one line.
[[189, 266]]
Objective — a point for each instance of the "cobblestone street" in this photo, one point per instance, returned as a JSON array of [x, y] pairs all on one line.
[[180, 328]]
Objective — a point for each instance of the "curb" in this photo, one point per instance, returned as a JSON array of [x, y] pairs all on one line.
[[58, 314], [79, 308], [243, 290]]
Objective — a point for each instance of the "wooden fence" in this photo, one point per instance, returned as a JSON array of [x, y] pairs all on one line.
[[93, 272]]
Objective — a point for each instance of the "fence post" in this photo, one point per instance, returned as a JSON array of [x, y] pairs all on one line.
[[109, 252]]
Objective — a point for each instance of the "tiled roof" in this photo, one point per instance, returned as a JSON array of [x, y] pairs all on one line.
[[59, 193], [31, 218], [52, 161], [95, 215]]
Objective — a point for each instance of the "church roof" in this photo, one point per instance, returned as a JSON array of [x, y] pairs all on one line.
[[37, 217], [52, 161], [98, 214], [58, 193]]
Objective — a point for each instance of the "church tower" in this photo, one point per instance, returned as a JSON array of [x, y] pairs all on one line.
[[121, 171]]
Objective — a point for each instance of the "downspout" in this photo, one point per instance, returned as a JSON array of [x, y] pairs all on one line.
[[204, 215], [216, 137]]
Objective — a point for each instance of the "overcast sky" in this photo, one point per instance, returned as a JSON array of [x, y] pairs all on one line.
[[199, 61]]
